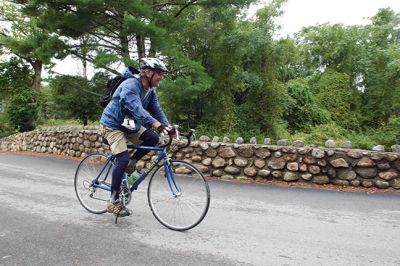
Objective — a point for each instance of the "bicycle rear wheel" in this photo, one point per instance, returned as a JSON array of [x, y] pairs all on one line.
[[182, 203], [93, 199]]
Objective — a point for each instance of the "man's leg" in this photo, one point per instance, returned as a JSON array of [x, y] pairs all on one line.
[[117, 141], [145, 137]]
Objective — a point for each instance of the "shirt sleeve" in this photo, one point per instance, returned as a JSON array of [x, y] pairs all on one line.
[[156, 110], [131, 103]]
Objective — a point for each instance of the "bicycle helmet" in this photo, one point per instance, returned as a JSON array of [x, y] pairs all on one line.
[[152, 63]]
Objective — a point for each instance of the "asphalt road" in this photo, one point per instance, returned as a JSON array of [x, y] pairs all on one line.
[[42, 223]]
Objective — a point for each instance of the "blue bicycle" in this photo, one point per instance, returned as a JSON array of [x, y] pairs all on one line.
[[178, 193]]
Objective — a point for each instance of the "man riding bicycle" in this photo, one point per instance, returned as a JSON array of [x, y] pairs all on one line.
[[129, 119]]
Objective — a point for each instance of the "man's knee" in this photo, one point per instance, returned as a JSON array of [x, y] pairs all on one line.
[[122, 158], [150, 138]]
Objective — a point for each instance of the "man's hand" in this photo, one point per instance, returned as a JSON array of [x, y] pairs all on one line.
[[165, 129]]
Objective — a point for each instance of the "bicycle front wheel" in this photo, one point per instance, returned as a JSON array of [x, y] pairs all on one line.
[[180, 202], [92, 171]]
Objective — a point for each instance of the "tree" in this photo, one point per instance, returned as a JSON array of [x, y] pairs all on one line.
[[302, 109], [380, 68], [77, 97], [24, 38]]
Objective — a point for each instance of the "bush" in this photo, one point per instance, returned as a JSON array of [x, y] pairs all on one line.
[[5, 128], [22, 110], [319, 134]]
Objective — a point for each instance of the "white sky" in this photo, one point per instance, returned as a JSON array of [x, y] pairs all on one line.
[[302, 13]]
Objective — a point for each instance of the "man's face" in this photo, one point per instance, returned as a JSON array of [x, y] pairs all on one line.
[[155, 75]]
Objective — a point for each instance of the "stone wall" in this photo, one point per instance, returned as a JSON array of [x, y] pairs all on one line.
[[338, 166]]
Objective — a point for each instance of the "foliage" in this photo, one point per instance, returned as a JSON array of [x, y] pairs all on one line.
[[302, 109], [320, 133], [76, 97], [22, 110]]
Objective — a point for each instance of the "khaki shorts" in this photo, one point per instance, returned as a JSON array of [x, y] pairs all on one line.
[[119, 140]]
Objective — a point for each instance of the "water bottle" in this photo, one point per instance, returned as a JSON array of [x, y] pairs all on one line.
[[134, 176]]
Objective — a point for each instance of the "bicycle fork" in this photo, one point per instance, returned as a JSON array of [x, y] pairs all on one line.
[[173, 186]]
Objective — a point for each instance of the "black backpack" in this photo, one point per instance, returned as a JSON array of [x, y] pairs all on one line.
[[112, 85]]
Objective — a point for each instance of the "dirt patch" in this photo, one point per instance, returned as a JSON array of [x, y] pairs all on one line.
[[263, 182]]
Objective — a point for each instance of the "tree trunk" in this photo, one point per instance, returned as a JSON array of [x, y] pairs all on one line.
[[140, 46], [37, 67]]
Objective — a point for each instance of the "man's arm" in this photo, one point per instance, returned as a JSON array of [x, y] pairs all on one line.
[[156, 110]]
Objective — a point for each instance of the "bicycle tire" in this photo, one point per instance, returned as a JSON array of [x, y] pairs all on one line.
[[186, 209], [92, 199]]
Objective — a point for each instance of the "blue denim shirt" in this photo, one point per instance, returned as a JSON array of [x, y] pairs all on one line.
[[130, 99]]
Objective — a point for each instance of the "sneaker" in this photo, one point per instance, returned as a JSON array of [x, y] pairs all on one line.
[[118, 209]]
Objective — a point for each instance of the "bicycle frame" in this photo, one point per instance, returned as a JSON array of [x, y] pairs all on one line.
[[163, 156]]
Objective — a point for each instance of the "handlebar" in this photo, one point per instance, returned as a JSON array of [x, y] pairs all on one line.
[[189, 136]]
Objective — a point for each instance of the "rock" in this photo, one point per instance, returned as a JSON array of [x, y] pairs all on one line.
[[226, 152], [388, 175], [365, 162], [245, 151], [330, 153], [383, 166], [395, 184], [347, 145], [290, 176], [293, 166], [239, 140], [302, 167], [391, 157], [367, 183], [217, 173], [381, 184], [259, 163], [306, 177], [204, 146], [264, 173], [355, 183], [298, 143], [215, 145], [340, 162], [250, 171], [215, 139], [196, 158], [232, 170], [277, 154], [211, 153], [204, 138], [355, 154], [282, 142], [291, 157], [321, 163], [218, 163], [277, 174], [367, 172], [226, 140], [320, 179], [317, 153], [379, 148], [263, 153], [346, 174], [227, 177], [395, 148], [309, 160], [240, 162], [330, 143], [253, 140], [183, 170], [314, 169], [206, 161], [277, 163], [267, 141], [376, 157], [202, 168], [340, 182]]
